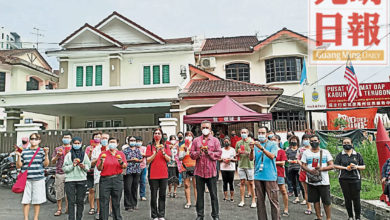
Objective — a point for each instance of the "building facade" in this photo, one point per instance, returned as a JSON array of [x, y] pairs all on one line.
[[9, 40]]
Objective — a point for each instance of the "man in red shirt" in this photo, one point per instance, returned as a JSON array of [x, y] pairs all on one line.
[[234, 139]]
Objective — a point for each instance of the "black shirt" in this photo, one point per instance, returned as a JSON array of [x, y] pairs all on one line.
[[342, 159]]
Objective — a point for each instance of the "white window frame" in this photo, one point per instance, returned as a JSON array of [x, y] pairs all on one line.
[[151, 73], [84, 65]]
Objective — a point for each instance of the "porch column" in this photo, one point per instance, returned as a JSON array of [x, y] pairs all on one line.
[[64, 122], [25, 130], [12, 118], [168, 125]]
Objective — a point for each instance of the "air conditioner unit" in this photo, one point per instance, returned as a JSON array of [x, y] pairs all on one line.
[[208, 62]]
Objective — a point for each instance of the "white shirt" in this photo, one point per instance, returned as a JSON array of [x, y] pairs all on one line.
[[95, 155], [309, 157], [228, 154]]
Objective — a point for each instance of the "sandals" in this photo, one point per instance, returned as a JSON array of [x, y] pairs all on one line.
[[308, 212], [91, 211], [303, 202], [248, 196], [296, 201], [58, 212], [187, 206], [170, 195], [285, 214], [174, 195]]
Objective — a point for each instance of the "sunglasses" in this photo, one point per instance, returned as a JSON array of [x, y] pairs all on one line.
[[34, 139]]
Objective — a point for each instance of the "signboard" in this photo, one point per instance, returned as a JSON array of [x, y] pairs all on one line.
[[314, 97], [373, 95], [348, 29], [351, 119]]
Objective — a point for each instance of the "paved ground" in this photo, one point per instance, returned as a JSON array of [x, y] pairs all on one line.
[[11, 209]]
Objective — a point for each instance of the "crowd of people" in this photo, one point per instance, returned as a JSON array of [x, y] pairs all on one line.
[[265, 166]]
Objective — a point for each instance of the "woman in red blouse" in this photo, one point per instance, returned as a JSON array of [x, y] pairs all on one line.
[[111, 164], [158, 155]]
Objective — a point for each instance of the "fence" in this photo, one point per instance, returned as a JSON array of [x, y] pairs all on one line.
[[52, 138], [7, 141], [284, 125]]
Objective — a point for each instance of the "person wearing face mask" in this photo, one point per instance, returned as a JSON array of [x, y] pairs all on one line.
[[289, 135], [111, 164], [349, 162], [158, 154], [264, 153], [245, 167], [58, 157], [293, 169], [133, 173], [173, 167], [144, 170], [76, 165], [206, 150], [100, 143], [234, 139], [180, 138], [25, 143], [302, 173], [188, 168], [317, 162], [228, 168], [35, 190]]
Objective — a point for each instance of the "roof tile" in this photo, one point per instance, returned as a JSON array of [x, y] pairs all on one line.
[[229, 44]]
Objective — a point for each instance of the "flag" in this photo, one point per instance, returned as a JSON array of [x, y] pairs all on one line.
[[303, 74], [353, 83]]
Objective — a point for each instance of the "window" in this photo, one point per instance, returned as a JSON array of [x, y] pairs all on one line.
[[7, 46], [283, 69], [89, 75], [2, 82], [2, 45], [2, 35], [7, 37], [103, 123], [50, 86], [156, 74], [289, 116], [238, 71], [33, 84]]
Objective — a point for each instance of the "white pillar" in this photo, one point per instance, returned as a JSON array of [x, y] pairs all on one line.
[[25, 130], [168, 125]]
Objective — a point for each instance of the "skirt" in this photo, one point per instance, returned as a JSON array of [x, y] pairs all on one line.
[[173, 175]]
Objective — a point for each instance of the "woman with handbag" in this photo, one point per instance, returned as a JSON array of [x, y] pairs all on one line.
[[349, 162], [188, 168], [33, 160], [76, 166], [302, 173]]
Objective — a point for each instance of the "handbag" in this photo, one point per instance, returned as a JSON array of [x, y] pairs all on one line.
[[21, 180], [312, 178]]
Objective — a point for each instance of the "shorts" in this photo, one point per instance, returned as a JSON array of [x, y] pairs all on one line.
[[59, 186], [90, 181], [281, 180], [315, 193], [96, 187], [34, 192], [302, 176], [173, 175], [246, 174], [187, 174]]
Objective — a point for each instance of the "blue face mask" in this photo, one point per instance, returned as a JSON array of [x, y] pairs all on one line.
[[306, 142], [132, 143], [112, 146], [270, 136], [138, 144], [262, 138], [104, 142], [244, 135], [66, 140], [76, 146]]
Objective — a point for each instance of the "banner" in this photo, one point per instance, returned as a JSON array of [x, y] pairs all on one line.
[[351, 119], [373, 95]]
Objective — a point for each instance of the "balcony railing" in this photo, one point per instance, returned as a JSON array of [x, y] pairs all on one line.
[[285, 125]]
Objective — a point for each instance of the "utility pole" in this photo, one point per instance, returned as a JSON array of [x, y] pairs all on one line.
[[37, 34]]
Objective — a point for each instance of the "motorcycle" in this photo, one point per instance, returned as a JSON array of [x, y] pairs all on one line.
[[8, 169], [50, 174]]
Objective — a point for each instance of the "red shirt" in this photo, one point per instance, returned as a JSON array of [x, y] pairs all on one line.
[[111, 165], [234, 140], [281, 157], [158, 168]]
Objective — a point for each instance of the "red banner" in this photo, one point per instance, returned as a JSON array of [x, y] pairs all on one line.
[[373, 95], [351, 119]]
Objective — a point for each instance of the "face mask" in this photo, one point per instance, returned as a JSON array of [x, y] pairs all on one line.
[[165, 139], [293, 144], [315, 145], [206, 131], [34, 142], [180, 138], [138, 144], [262, 138], [233, 135], [189, 138], [24, 142], [306, 142], [226, 144], [347, 147], [104, 142], [66, 141], [96, 140], [173, 141], [244, 135], [132, 143], [67, 148], [76, 146], [112, 146], [270, 136], [274, 142]]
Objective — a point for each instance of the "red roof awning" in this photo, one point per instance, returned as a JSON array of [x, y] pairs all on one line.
[[227, 110]]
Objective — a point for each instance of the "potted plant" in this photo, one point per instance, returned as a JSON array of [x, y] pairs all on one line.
[[340, 122]]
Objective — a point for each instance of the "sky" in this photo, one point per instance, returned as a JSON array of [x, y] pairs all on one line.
[[170, 19]]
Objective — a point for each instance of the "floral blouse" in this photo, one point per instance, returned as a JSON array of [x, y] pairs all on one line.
[[132, 167]]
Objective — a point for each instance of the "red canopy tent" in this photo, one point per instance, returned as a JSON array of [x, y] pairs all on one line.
[[227, 110]]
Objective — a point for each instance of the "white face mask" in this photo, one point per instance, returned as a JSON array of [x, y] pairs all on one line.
[[173, 141], [189, 138], [206, 131]]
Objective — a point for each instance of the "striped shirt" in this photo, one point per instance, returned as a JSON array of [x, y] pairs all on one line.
[[36, 170]]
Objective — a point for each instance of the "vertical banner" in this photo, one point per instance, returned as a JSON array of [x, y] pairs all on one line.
[[351, 119]]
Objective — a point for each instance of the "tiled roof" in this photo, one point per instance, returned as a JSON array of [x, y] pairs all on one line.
[[12, 55], [229, 44], [182, 40], [227, 87], [289, 103]]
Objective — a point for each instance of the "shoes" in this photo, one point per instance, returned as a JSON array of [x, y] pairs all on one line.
[[155, 219], [97, 216], [143, 198], [231, 200], [161, 218], [215, 218], [199, 218], [253, 205], [241, 204]]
